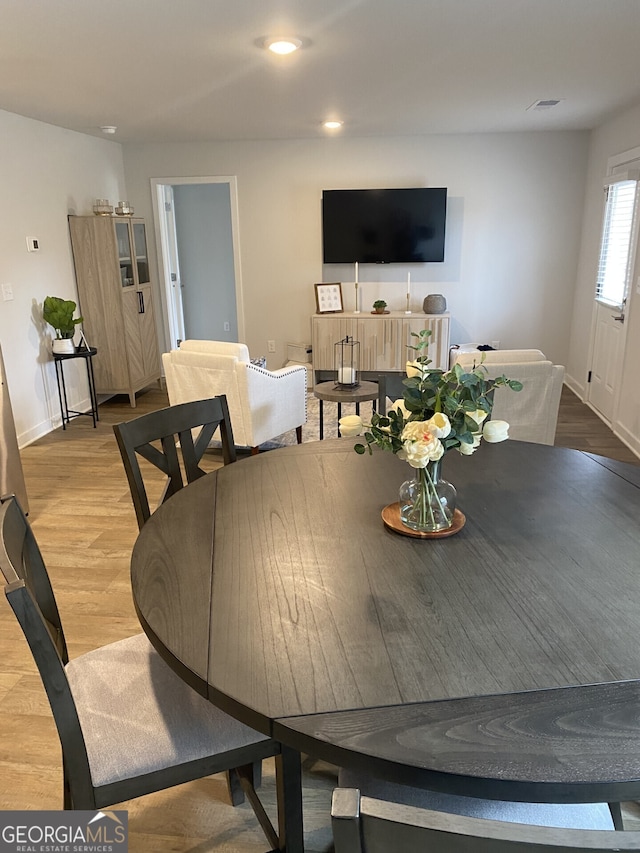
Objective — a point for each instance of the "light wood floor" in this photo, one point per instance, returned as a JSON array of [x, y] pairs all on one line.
[[81, 512]]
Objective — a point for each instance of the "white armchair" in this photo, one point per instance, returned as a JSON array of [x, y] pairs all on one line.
[[533, 412], [262, 403]]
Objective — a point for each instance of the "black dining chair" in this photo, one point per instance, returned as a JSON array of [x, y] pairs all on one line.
[[127, 724], [362, 824], [169, 427]]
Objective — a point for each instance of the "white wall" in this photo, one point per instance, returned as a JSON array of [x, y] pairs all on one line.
[[46, 172], [512, 245], [621, 133], [515, 215]]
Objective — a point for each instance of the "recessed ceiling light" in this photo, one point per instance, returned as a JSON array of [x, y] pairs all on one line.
[[332, 124], [282, 45], [108, 128]]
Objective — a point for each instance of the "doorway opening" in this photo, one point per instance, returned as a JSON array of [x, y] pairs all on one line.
[[197, 241]]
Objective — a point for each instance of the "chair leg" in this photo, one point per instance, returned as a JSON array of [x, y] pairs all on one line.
[[289, 788], [257, 774], [299, 434], [234, 787], [616, 816], [245, 775]]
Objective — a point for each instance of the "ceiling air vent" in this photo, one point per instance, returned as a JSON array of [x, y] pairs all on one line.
[[544, 104]]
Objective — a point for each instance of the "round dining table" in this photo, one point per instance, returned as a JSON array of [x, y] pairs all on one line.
[[500, 662]]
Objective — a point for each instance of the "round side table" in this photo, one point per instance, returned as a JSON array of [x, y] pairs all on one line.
[[359, 394]]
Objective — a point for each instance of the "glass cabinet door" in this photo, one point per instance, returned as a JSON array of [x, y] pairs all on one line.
[[142, 260], [124, 253]]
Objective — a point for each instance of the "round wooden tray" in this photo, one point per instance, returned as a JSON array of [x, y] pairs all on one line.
[[391, 517]]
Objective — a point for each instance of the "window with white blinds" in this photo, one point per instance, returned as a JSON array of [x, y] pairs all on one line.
[[614, 267]]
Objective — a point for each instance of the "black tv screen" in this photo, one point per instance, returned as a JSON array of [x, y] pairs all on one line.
[[390, 226]]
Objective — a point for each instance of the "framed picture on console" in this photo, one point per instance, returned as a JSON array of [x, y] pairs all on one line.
[[329, 298]]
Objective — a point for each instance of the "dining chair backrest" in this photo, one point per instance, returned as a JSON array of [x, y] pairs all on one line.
[[366, 825], [140, 436], [532, 413], [28, 591]]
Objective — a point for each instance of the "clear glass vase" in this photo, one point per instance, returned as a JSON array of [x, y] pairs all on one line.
[[427, 502]]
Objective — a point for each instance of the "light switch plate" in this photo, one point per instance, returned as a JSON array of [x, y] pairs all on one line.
[[33, 244]]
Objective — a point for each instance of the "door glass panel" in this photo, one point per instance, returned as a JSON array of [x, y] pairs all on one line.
[[124, 253], [142, 260], [615, 249]]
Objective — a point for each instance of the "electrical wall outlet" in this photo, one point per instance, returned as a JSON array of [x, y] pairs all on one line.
[[227, 327], [495, 344], [33, 244], [271, 346], [7, 292]]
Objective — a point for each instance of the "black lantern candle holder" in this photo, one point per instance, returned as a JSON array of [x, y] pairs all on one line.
[[347, 362]]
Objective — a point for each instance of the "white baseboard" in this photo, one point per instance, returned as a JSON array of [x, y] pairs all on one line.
[[578, 388], [627, 438], [622, 433], [36, 432], [45, 427]]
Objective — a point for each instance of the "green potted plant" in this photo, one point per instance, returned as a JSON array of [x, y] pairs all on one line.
[[58, 313], [379, 306]]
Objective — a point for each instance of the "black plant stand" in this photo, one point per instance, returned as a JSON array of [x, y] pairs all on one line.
[[66, 412]]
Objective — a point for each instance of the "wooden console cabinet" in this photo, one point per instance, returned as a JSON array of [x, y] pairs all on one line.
[[384, 339], [116, 301]]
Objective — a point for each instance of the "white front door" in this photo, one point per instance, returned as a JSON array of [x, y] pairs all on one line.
[[606, 364], [615, 269]]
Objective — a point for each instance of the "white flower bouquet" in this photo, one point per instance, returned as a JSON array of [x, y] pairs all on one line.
[[439, 411]]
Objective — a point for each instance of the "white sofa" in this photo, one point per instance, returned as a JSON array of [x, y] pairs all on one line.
[[533, 412], [262, 403]]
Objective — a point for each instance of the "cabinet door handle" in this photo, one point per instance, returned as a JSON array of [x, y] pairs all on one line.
[[140, 302]]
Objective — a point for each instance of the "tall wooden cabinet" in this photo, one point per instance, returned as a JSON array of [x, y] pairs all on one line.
[[116, 301]]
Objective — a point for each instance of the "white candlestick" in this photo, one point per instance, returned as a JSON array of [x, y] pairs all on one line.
[[408, 284], [356, 272], [346, 375]]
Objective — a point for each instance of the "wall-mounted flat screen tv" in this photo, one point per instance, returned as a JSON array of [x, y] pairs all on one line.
[[389, 226]]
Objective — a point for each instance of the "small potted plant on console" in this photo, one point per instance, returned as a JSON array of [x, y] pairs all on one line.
[[58, 313], [379, 307]]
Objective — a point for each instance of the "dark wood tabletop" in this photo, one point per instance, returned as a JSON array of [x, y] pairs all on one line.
[[501, 662]]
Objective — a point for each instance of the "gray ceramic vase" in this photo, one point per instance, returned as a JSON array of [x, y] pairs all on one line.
[[435, 303]]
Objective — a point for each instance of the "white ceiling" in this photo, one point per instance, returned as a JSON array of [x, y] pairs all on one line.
[[189, 70]]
